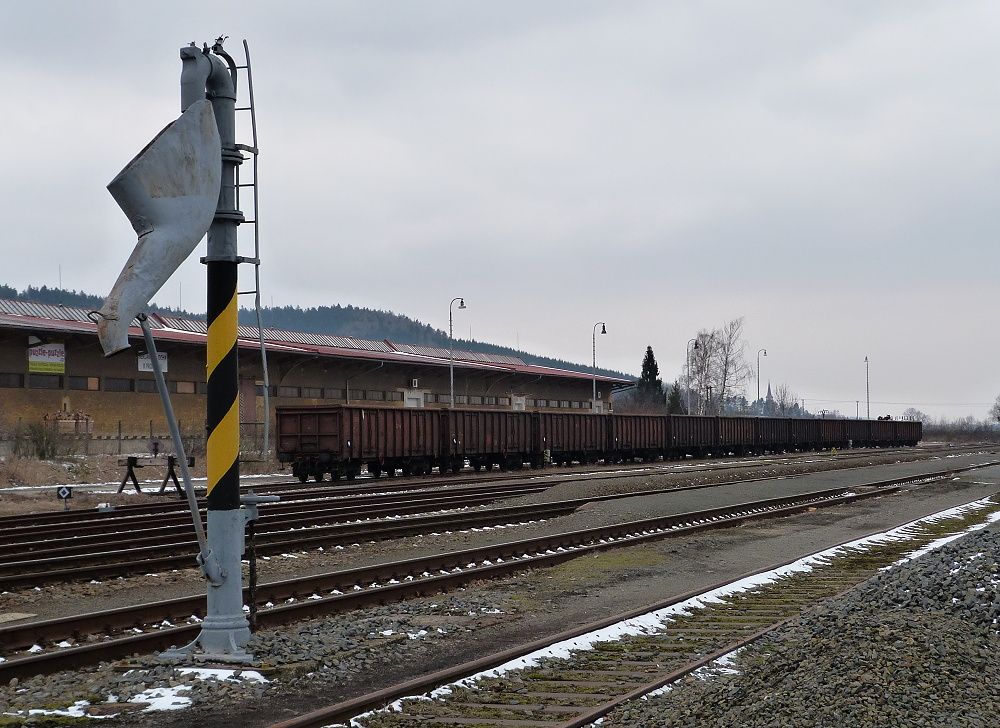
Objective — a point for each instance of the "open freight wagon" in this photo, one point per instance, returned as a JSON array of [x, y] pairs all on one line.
[[344, 439]]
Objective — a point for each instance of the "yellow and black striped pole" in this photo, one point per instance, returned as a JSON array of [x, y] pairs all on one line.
[[225, 630], [223, 422]]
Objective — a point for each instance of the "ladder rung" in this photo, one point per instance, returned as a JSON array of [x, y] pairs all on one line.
[[244, 108], [246, 184], [249, 222], [244, 293]]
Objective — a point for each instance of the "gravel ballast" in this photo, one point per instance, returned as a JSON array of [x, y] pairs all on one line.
[[348, 653], [914, 646]]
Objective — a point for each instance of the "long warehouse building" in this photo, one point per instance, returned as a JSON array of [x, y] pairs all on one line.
[[52, 369]]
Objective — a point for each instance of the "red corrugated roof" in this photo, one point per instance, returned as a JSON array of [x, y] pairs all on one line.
[[19, 315]]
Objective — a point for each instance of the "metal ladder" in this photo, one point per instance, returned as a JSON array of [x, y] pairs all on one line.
[[254, 151]]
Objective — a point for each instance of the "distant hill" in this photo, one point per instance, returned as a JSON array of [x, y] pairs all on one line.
[[360, 323]]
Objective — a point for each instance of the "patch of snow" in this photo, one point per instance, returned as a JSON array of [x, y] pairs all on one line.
[[211, 673], [165, 698]]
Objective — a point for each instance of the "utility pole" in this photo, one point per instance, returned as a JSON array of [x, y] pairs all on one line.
[[451, 348], [604, 330], [868, 393], [687, 356], [764, 351]]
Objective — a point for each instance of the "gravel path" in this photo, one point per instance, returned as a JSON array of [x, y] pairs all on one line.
[[915, 646]]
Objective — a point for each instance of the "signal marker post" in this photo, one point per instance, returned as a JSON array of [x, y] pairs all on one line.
[[180, 186], [225, 630]]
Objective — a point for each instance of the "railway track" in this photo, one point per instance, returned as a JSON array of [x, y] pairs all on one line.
[[578, 677], [98, 551], [119, 632], [294, 491]]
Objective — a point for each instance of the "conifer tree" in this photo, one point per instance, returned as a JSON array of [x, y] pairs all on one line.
[[650, 386], [675, 404]]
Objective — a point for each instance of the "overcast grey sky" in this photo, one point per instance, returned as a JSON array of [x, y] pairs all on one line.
[[827, 170]]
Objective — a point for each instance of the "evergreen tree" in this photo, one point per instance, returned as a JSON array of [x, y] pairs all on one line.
[[675, 404], [650, 386]]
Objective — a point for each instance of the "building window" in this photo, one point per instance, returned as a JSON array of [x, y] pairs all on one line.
[[505, 401], [564, 403], [201, 387], [394, 396], [333, 393], [461, 399], [443, 398], [11, 380], [490, 400], [475, 400], [288, 391], [530, 403], [89, 384], [542, 403], [376, 396], [312, 392], [117, 384], [45, 381], [574, 405], [182, 387], [145, 385]]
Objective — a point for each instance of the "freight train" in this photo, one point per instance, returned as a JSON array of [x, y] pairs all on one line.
[[343, 439]]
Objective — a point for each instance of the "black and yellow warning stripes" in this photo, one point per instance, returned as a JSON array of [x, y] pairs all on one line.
[[223, 424]]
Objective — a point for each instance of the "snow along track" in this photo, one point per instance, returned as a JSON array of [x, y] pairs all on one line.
[[576, 678]]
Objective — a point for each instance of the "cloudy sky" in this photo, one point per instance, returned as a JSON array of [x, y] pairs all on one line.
[[829, 171]]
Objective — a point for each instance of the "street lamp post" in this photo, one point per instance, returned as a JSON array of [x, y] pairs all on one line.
[[764, 351], [687, 355], [868, 393], [604, 330], [451, 349]]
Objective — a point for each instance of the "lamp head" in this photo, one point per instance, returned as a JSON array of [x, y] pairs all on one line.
[[461, 303], [765, 352], [603, 330]]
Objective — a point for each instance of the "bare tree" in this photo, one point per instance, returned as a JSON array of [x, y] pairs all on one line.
[[702, 364], [730, 364], [912, 413], [784, 398], [995, 410]]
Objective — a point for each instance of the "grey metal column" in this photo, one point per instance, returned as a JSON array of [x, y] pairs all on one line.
[[225, 631]]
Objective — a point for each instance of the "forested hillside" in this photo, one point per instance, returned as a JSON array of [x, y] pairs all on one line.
[[362, 323]]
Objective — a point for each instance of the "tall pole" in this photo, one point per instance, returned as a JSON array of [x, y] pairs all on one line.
[[758, 371], [857, 409], [868, 393], [687, 355], [593, 400], [451, 349], [225, 630]]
